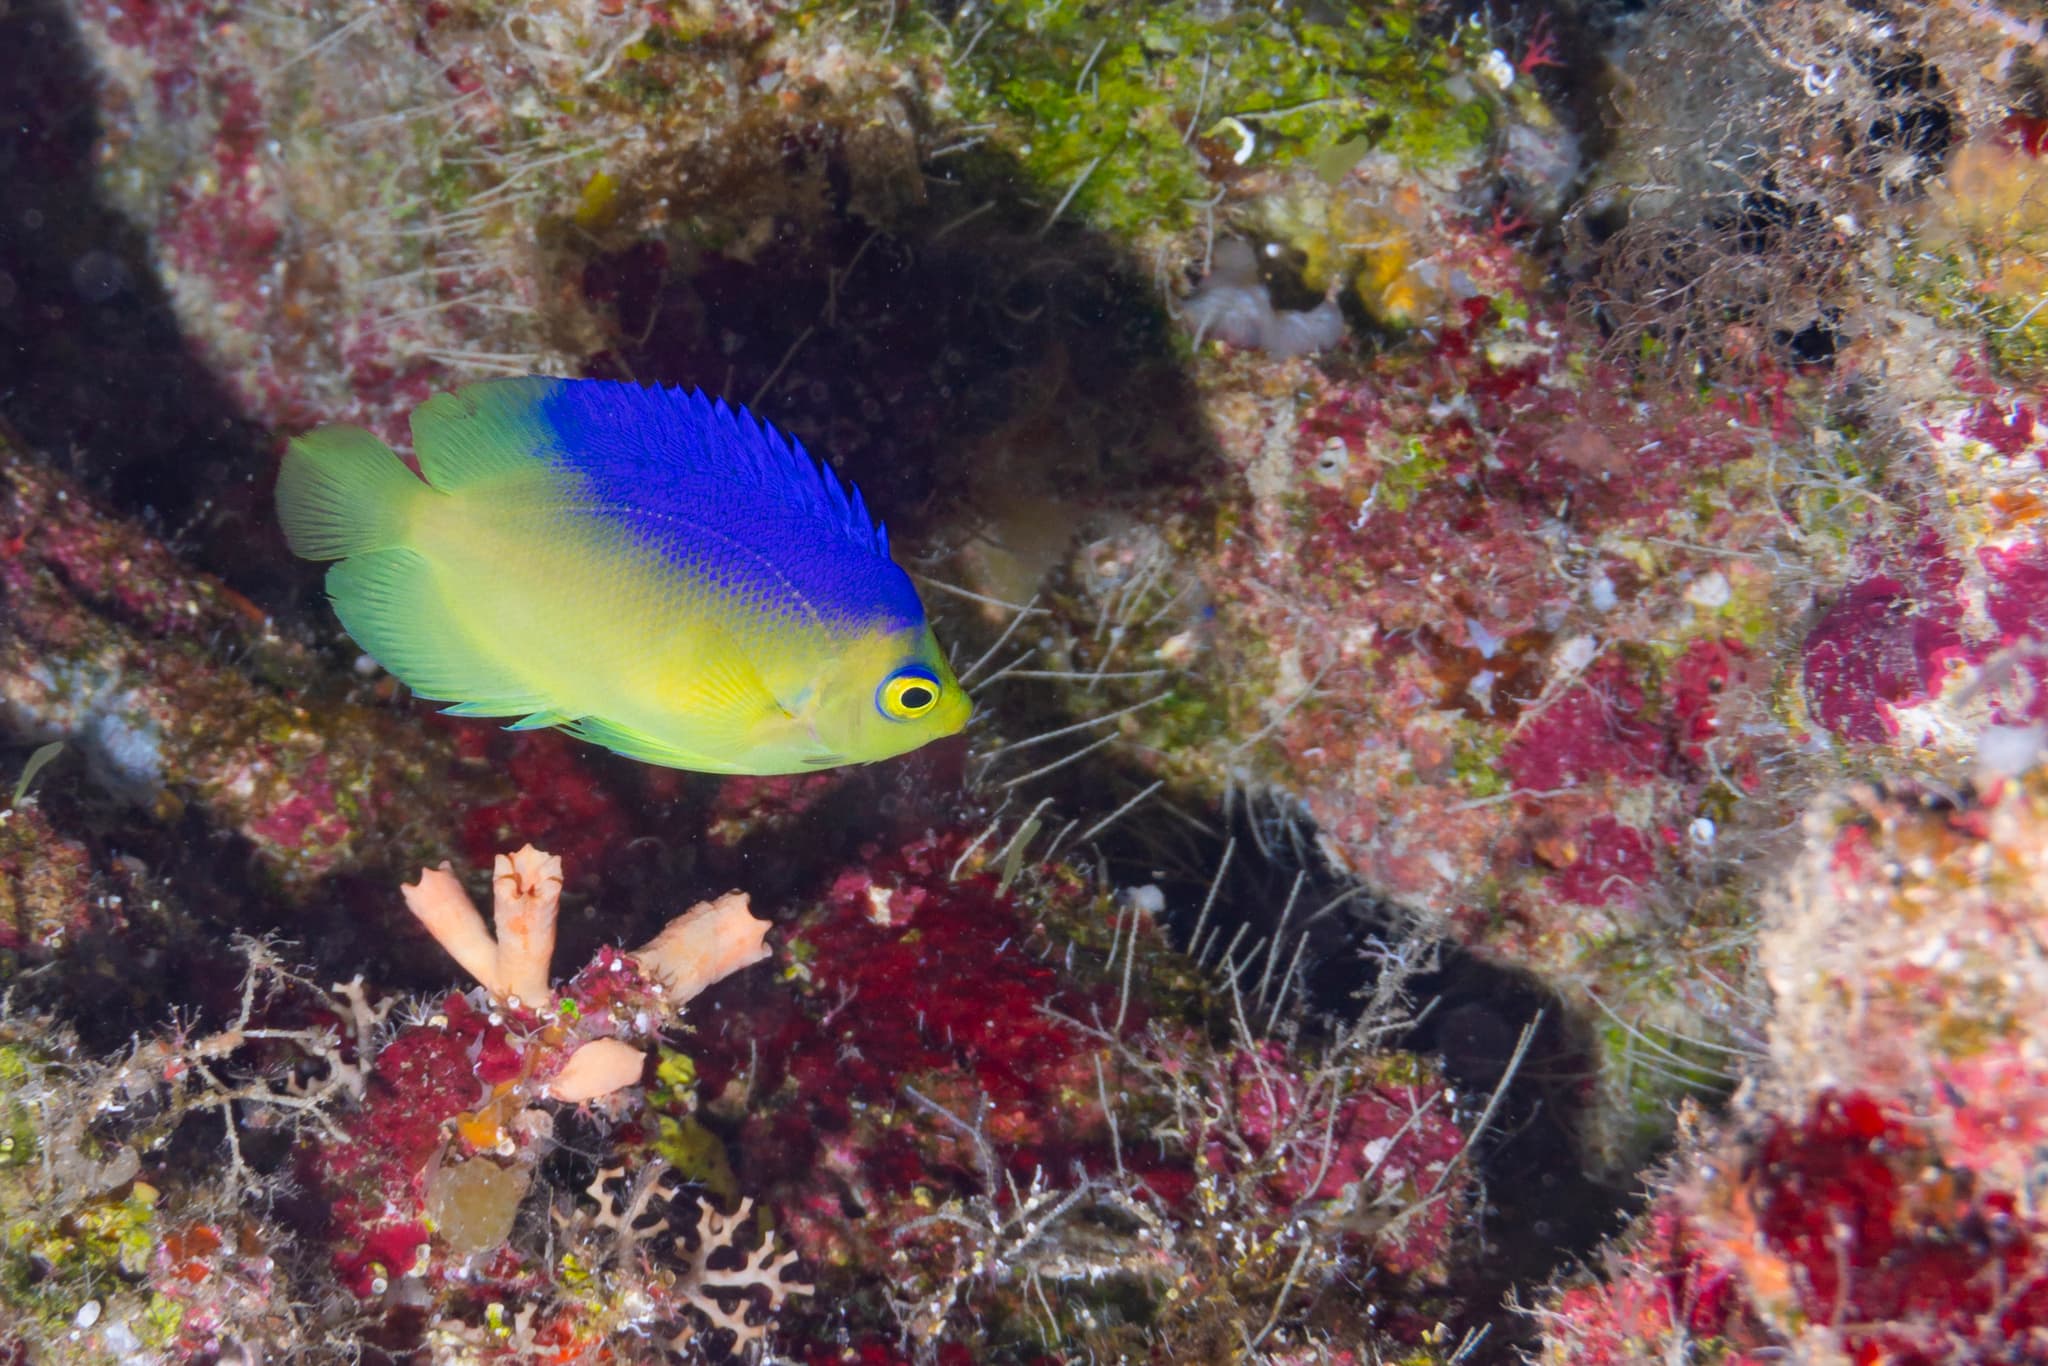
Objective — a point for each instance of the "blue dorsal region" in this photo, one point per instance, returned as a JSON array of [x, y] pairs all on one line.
[[723, 495]]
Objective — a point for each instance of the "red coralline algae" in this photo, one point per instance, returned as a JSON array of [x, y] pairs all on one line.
[[388, 1253], [1709, 669], [420, 1080], [1847, 1219], [1399, 559], [947, 986], [2016, 600], [224, 1281], [1595, 731], [309, 816], [1659, 1291], [748, 805], [1881, 646], [944, 1033], [1920, 912], [2006, 432], [1866, 1200], [558, 799], [1917, 1263], [1612, 862]]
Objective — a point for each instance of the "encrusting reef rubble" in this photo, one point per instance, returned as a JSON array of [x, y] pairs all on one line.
[[1870, 1196]]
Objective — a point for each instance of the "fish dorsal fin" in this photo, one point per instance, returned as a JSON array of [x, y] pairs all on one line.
[[483, 433], [708, 488], [655, 441], [730, 501]]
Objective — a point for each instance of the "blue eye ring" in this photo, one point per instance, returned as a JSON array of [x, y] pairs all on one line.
[[908, 693]]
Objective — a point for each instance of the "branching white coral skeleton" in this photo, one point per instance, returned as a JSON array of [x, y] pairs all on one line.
[[648, 1221], [189, 1075]]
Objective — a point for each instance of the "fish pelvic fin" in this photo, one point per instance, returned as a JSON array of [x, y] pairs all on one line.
[[342, 492], [624, 740]]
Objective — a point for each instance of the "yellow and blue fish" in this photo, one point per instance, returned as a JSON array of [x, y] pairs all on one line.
[[646, 568]]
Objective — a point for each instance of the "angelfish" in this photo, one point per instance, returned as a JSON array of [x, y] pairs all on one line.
[[646, 568]]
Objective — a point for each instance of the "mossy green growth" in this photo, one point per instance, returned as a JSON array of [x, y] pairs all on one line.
[[1409, 470], [1950, 287], [53, 1261], [1475, 759], [1979, 256], [1136, 116], [19, 1141], [1185, 721], [1648, 1072], [1657, 1050], [681, 1139], [2017, 335]]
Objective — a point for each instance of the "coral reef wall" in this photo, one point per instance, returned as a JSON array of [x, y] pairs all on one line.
[[1500, 561]]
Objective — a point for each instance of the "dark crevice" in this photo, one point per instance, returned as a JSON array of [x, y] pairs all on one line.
[[94, 373], [1542, 1211]]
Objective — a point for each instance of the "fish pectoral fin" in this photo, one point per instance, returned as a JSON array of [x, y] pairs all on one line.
[[392, 604], [632, 744]]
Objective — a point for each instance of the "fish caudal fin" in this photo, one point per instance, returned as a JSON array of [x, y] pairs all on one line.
[[389, 602], [343, 492]]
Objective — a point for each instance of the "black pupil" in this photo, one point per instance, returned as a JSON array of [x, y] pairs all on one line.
[[916, 697]]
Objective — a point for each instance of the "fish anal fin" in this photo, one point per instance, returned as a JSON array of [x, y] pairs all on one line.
[[541, 720]]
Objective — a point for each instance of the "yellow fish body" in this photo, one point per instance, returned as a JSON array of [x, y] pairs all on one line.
[[648, 569]]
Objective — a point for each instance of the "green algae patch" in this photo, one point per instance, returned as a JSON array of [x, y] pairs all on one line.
[[1410, 469], [1475, 759], [1981, 253], [1134, 122], [681, 1139]]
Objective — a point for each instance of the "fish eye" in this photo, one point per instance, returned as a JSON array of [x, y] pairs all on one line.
[[908, 693]]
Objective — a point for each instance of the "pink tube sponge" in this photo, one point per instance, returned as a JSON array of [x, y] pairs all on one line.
[[711, 940], [526, 893]]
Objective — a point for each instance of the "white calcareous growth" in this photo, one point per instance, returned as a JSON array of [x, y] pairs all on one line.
[[1232, 305]]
